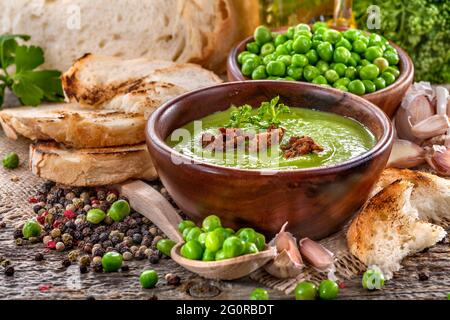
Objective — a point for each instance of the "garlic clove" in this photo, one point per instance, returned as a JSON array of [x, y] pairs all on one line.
[[441, 100], [438, 157], [316, 254], [430, 127], [405, 154]]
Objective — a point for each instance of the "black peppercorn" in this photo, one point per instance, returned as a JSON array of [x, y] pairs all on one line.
[[86, 232], [154, 258], [90, 298], [124, 249], [39, 257], [97, 267], [18, 233], [137, 238], [423, 276], [125, 268], [77, 235], [115, 240], [173, 279], [83, 269], [94, 238], [9, 271], [70, 225], [153, 297], [66, 263], [36, 208], [98, 252], [104, 236], [106, 244]]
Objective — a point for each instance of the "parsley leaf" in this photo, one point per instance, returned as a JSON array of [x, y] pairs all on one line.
[[29, 85]]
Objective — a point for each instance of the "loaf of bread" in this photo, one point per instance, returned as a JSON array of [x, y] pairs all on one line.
[[199, 31]]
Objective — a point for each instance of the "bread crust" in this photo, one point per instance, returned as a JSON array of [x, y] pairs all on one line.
[[90, 167]]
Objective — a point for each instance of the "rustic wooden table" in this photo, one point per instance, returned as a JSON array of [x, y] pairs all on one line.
[[48, 280]]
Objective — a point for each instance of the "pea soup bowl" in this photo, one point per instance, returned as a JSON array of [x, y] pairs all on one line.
[[387, 99], [315, 201]]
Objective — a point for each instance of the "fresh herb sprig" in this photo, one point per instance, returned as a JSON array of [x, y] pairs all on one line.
[[17, 72], [267, 115]]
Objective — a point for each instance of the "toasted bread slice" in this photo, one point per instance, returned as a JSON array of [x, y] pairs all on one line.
[[94, 80], [430, 196], [74, 126], [90, 167], [389, 229]]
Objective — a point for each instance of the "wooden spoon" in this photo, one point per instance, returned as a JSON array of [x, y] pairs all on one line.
[[151, 204]]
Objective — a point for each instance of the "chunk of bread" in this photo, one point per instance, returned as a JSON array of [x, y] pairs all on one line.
[[94, 80], [90, 167], [74, 126], [200, 31], [430, 195], [389, 228]]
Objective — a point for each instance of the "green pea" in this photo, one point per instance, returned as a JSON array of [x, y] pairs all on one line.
[[303, 33], [165, 246], [375, 40], [282, 49], [312, 56], [290, 33], [259, 294], [186, 232], [246, 234], [95, 216], [351, 62], [112, 261], [364, 62], [325, 51], [214, 240], [208, 255], [119, 210], [369, 72], [356, 57], [320, 32], [260, 241], [322, 66], [148, 279], [328, 290], [193, 233], [241, 56], [332, 36], [331, 76], [267, 48], [341, 55], [302, 26], [373, 279], [369, 86], [320, 80], [211, 222], [294, 72], [250, 248], [268, 58], [220, 255], [286, 59], [388, 77], [192, 250], [341, 87], [393, 70], [362, 37], [229, 232], [342, 82], [340, 69], [262, 35], [351, 34], [10, 161], [253, 47], [233, 247], [319, 24], [373, 52], [357, 87], [288, 45], [351, 73], [185, 224], [250, 56], [299, 60], [359, 46], [344, 43], [310, 72], [280, 39], [315, 42], [248, 67], [259, 73], [380, 83], [302, 44], [305, 291], [30, 229], [202, 238], [381, 63], [276, 68]]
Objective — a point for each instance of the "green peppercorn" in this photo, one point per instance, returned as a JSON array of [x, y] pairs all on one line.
[[119, 210], [95, 216], [148, 279], [112, 261], [30, 229], [10, 161]]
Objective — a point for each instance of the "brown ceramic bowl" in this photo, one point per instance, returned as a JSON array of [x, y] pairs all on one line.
[[315, 201], [387, 99]]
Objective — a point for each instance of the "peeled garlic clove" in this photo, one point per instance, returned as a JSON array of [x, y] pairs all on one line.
[[430, 127], [316, 254], [282, 266], [405, 154], [438, 157]]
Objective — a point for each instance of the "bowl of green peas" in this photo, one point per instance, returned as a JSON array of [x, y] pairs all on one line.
[[351, 60]]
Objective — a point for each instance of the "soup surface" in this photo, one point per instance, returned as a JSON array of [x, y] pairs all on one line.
[[339, 138]]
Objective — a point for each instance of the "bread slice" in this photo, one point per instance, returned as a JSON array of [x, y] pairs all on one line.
[[90, 167], [430, 195], [74, 126], [200, 31], [94, 80], [388, 229]]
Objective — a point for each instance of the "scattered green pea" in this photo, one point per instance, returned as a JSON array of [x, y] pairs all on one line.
[[328, 290], [148, 279], [305, 291], [165, 246], [112, 261], [373, 279], [95, 216], [10, 161], [259, 294], [119, 210]]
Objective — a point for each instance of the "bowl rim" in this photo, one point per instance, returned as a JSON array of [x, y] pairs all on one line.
[[379, 148], [405, 60]]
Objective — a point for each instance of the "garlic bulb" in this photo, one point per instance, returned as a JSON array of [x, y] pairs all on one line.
[[405, 154], [288, 263]]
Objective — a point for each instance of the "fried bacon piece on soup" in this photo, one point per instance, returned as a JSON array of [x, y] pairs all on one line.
[[298, 146], [263, 140]]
